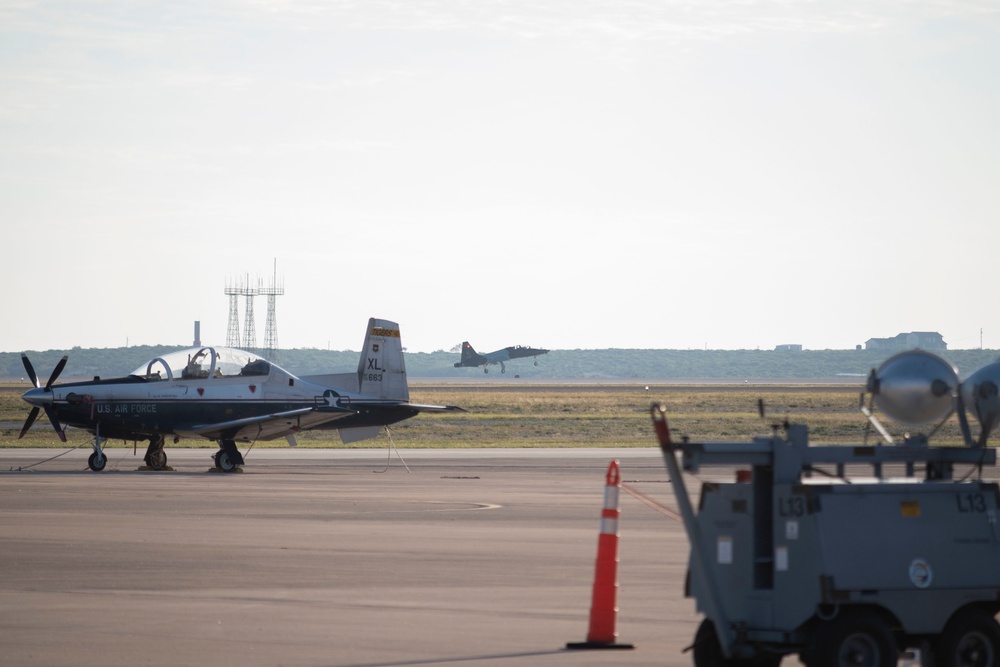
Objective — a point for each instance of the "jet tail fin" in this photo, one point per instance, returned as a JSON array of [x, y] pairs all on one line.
[[381, 371], [470, 357]]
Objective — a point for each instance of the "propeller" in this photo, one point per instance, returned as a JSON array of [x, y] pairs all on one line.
[[49, 412], [32, 416]]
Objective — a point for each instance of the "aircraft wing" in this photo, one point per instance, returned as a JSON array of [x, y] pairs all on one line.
[[266, 427]]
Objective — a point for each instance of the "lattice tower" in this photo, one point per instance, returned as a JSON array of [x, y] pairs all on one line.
[[271, 328], [233, 330], [249, 327]]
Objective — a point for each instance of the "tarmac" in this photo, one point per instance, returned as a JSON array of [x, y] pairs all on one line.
[[346, 558]]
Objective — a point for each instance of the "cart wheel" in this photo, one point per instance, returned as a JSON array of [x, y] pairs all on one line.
[[708, 653], [971, 639], [855, 639]]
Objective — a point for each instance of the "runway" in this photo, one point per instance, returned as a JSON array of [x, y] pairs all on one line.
[[333, 557]]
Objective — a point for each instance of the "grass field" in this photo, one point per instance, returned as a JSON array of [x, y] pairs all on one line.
[[565, 416]]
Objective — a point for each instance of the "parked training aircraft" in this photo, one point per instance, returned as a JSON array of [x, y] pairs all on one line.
[[230, 396], [471, 358]]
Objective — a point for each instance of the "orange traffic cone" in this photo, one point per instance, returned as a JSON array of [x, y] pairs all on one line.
[[604, 604]]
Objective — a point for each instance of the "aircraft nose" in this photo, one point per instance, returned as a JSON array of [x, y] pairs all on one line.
[[38, 397]]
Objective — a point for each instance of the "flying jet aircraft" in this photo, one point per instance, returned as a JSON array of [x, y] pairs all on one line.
[[471, 358], [230, 396]]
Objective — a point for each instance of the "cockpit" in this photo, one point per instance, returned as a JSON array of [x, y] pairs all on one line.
[[204, 363]]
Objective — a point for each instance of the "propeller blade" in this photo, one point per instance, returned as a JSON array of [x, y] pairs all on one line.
[[55, 373], [32, 416], [55, 423], [31, 370]]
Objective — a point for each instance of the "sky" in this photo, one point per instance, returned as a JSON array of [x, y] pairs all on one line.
[[586, 174]]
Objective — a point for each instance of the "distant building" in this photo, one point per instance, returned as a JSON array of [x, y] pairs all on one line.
[[790, 347], [925, 340]]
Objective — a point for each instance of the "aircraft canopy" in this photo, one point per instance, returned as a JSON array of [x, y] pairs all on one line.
[[204, 363]]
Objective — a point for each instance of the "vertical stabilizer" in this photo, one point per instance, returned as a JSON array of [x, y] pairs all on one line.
[[381, 371], [470, 357]]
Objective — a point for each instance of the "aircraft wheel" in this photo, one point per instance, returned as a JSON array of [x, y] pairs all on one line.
[[224, 462], [97, 461], [971, 639], [486, 370], [860, 638], [536, 363], [157, 460]]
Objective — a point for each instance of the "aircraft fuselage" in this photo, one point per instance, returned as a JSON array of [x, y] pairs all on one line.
[[134, 408], [471, 358]]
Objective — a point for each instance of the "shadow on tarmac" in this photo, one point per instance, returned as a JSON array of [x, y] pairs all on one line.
[[457, 659]]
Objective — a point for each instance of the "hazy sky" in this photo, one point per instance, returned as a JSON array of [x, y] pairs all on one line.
[[565, 174]]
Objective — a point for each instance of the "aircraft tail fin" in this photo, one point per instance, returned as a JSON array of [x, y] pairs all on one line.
[[470, 357], [381, 371]]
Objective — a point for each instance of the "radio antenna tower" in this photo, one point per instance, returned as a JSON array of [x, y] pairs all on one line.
[[271, 328], [249, 328], [233, 330], [234, 290]]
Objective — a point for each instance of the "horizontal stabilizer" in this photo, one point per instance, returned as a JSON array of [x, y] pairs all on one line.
[[369, 403], [435, 408]]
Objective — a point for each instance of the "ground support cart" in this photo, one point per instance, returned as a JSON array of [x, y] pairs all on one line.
[[840, 570]]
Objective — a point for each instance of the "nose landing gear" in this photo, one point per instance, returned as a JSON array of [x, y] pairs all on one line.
[[98, 459]]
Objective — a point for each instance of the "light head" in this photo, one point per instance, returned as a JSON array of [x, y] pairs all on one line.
[[980, 393], [915, 387]]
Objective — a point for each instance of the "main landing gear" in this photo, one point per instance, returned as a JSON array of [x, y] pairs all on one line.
[[228, 458], [155, 457]]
